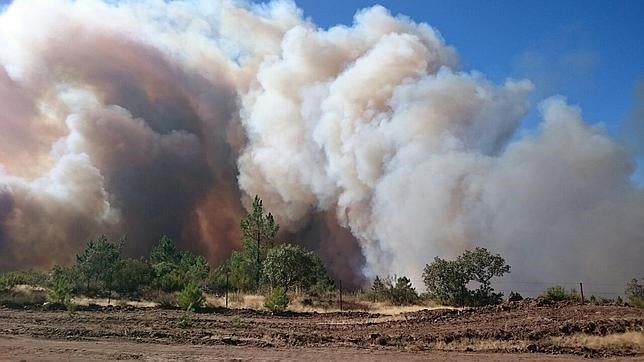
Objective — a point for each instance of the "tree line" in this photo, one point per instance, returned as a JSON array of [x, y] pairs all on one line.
[[262, 265]]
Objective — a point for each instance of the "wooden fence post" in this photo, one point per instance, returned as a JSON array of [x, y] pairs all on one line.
[[340, 282]]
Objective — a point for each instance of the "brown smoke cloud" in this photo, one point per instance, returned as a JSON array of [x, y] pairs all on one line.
[[367, 142]]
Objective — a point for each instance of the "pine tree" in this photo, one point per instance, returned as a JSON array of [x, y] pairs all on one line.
[[258, 229]]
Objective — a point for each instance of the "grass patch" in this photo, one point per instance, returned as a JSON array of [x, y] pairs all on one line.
[[630, 340]]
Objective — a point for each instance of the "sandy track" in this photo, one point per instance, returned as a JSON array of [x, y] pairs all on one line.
[[30, 349]]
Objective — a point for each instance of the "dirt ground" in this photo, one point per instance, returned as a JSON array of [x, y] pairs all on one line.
[[526, 330]]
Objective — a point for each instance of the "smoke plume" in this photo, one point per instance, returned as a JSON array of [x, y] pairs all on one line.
[[368, 143]]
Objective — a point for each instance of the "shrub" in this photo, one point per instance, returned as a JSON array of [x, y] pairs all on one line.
[[70, 307], [61, 284], [60, 292], [277, 300], [236, 322], [559, 293], [163, 299], [185, 321], [514, 297], [11, 279], [383, 290], [403, 293], [191, 297]]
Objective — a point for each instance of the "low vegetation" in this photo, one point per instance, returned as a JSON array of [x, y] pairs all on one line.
[[397, 291], [277, 300], [191, 297], [559, 294]]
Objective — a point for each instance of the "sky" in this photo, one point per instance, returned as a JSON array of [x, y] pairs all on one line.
[[590, 51]]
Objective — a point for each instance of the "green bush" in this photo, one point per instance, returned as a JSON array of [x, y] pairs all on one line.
[[191, 297], [277, 300], [559, 293], [383, 290], [165, 300], [11, 279], [186, 321], [514, 296], [61, 284]]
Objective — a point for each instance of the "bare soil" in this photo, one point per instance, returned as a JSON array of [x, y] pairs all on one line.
[[521, 330]]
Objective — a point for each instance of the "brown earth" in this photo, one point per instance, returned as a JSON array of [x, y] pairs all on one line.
[[513, 329]]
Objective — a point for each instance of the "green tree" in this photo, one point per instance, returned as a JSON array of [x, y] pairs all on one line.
[[635, 293], [446, 281], [403, 292], [481, 266], [98, 262], [132, 274], [259, 229], [379, 291], [194, 268], [243, 267], [287, 266], [165, 251], [174, 269]]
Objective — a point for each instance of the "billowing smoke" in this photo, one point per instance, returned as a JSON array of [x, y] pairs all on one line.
[[368, 143]]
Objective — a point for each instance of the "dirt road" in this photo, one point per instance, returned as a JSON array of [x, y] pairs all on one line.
[[30, 349], [526, 330]]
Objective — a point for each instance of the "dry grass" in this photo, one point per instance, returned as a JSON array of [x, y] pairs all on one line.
[[301, 303], [85, 301], [237, 301], [481, 345], [23, 294], [629, 340]]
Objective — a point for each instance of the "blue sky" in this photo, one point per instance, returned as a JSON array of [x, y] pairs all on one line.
[[590, 51]]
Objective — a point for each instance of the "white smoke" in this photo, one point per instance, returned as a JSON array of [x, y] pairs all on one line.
[[377, 122], [112, 110]]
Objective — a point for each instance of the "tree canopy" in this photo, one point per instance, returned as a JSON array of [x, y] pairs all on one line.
[[288, 266], [447, 280]]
